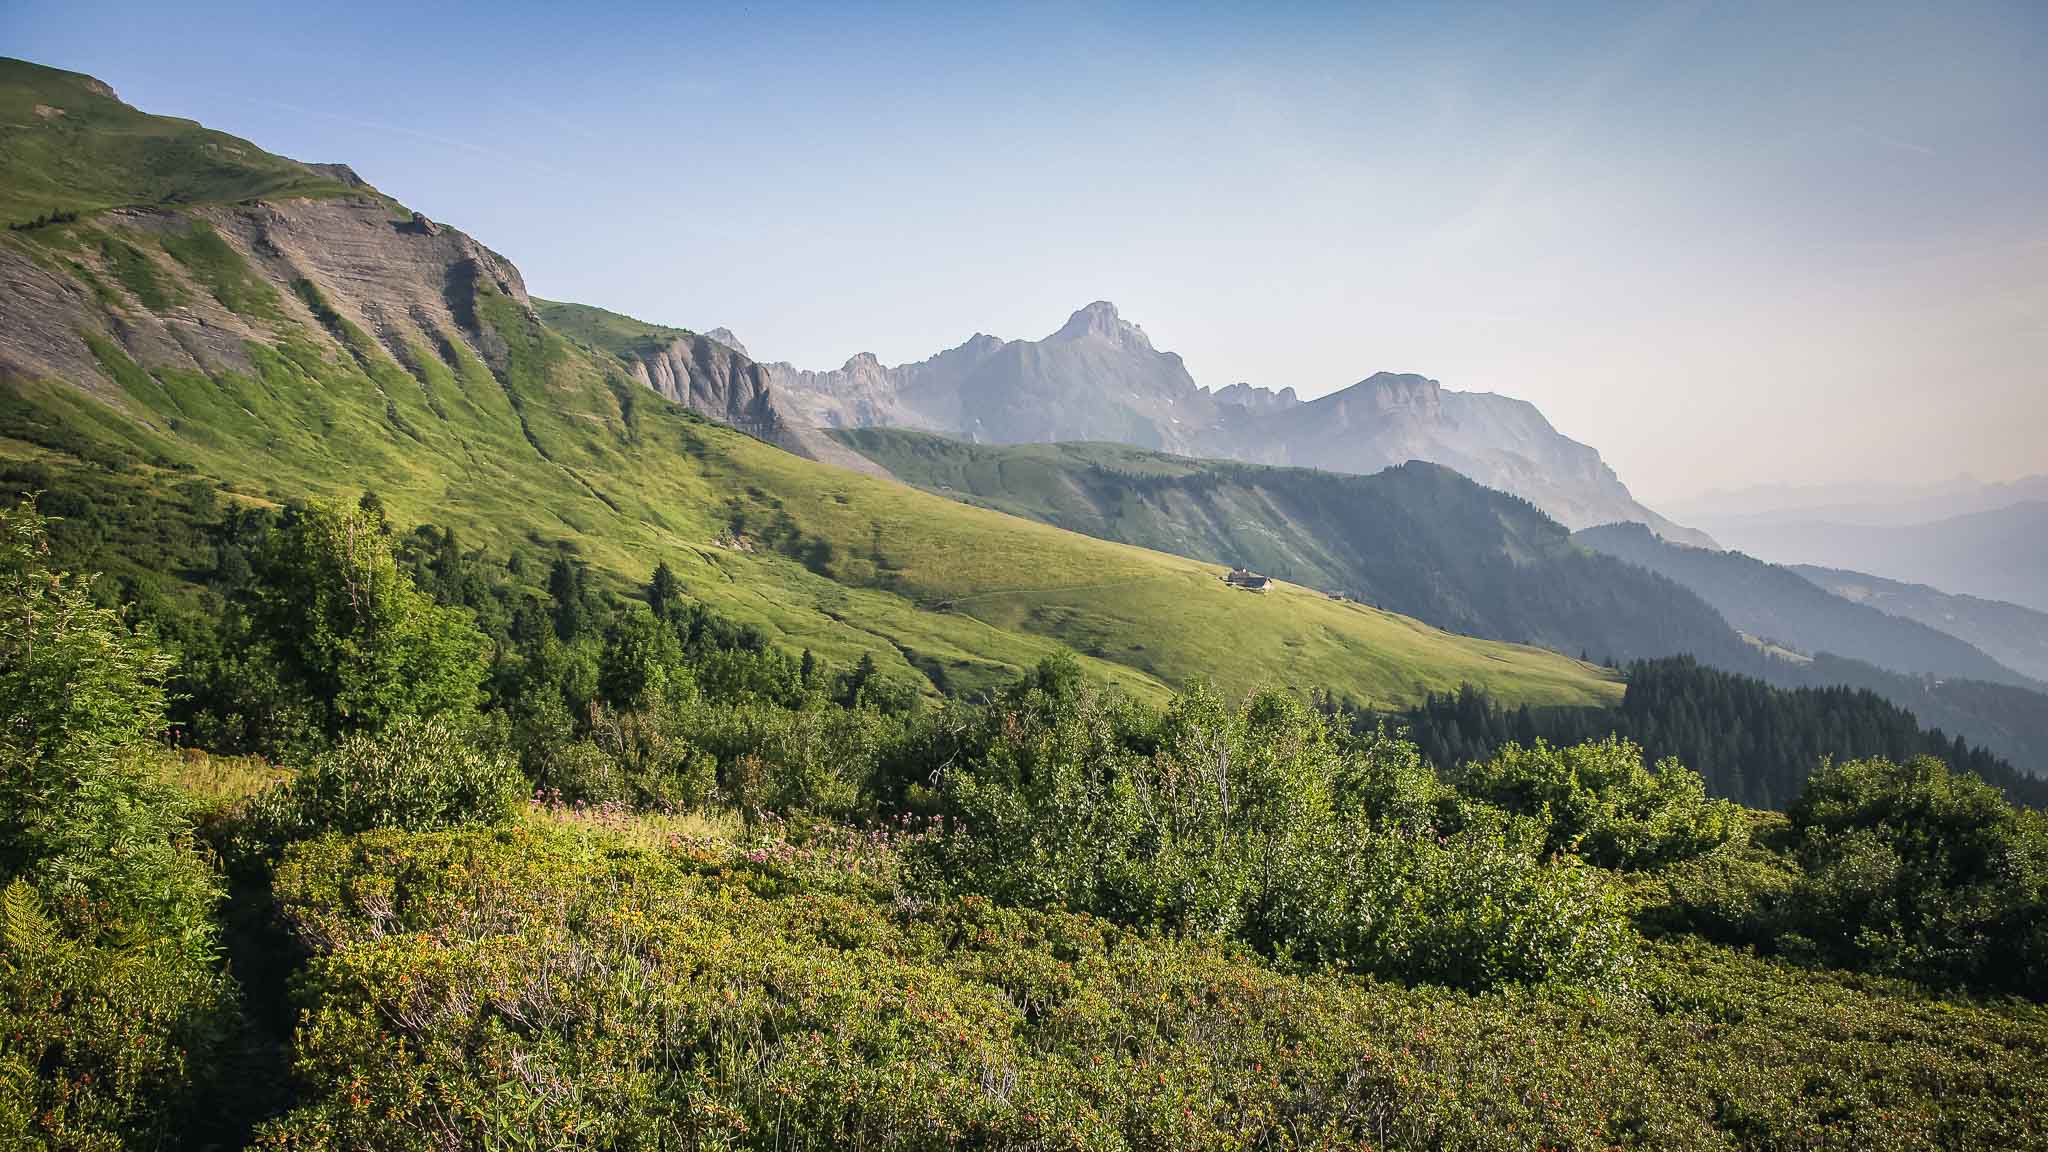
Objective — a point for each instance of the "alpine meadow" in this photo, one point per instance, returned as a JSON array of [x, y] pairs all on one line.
[[434, 717]]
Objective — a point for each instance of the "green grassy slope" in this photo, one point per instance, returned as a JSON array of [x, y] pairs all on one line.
[[604, 330], [1417, 539], [510, 431], [67, 145]]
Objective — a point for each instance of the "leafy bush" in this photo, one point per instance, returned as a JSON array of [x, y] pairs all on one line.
[[1913, 869], [110, 1000], [1736, 896], [1599, 800], [342, 628], [417, 774], [101, 1044], [1262, 821]]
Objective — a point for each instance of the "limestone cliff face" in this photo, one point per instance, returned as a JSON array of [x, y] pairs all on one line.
[[716, 379], [1243, 395], [709, 377]]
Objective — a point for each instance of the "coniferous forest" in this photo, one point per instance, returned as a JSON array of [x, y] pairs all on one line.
[[1753, 743]]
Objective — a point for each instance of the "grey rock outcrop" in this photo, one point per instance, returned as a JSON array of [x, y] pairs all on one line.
[[405, 287], [726, 337]]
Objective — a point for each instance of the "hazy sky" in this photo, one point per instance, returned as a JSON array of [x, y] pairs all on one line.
[[1722, 243]]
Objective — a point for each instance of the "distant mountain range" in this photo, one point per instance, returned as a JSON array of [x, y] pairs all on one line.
[[1098, 378], [1999, 554], [1800, 637], [1870, 504], [1776, 604], [2016, 637]]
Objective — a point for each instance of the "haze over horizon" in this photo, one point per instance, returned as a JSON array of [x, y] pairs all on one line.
[[1726, 246]]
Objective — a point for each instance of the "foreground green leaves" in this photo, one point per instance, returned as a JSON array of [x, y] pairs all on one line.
[[110, 995]]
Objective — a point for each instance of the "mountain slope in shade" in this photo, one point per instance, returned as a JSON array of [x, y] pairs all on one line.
[[1100, 379], [1418, 538], [2016, 637], [315, 346], [2000, 554], [1776, 604], [1433, 544]]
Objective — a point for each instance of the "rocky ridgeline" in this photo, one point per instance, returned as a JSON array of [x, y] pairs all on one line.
[[1099, 378]]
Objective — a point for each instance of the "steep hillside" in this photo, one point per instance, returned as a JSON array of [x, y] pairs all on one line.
[[2011, 721], [1417, 539], [320, 345], [2014, 636], [1100, 379], [67, 145], [1777, 604]]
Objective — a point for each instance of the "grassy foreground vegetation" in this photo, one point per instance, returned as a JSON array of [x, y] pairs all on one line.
[[762, 902]]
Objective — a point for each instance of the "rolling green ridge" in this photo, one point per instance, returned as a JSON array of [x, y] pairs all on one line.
[[67, 145], [488, 420], [604, 330], [1417, 539], [1426, 542]]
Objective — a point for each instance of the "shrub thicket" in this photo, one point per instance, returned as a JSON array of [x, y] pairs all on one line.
[[1264, 822], [1912, 869], [1231, 923], [473, 988]]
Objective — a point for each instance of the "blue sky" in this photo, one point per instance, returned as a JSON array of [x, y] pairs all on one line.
[[1722, 243]]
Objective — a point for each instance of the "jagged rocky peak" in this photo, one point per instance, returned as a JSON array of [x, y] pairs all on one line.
[[1256, 399], [1099, 378], [724, 336], [1100, 321]]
